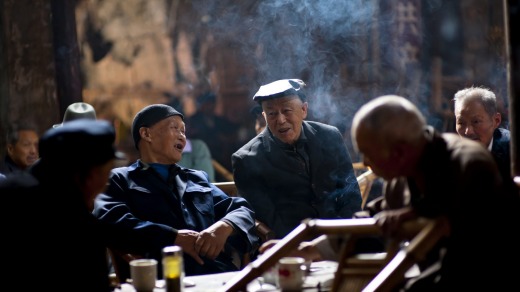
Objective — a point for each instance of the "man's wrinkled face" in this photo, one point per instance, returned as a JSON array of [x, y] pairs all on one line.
[[167, 139], [473, 122], [25, 152], [285, 117]]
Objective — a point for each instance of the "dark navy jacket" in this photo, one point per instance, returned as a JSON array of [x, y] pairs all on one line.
[[501, 152], [139, 199]]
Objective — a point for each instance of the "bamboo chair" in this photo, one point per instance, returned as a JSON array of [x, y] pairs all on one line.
[[262, 230], [220, 169], [365, 182], [377, 276]]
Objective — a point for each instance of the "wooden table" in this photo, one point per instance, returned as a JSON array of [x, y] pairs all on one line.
[[319, 279]]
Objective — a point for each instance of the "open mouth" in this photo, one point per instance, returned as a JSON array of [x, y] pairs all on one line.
[[179, 146], [283, 131]]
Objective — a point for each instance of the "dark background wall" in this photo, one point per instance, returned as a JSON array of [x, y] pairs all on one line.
[[121, 55]]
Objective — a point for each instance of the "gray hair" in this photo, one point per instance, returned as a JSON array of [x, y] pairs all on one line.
[[482, 94], [13, 131], [389, 119]]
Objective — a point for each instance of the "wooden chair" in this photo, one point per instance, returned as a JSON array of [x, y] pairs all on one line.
[[365, 182], [263, 231], [354, 272], [121, 263], [220, 169]]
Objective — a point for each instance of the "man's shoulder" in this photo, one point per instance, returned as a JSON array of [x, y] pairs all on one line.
[[251, 147], [320, 126], [18, 180], [318, 129], [502, 135]]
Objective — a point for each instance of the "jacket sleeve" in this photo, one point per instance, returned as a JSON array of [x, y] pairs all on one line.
[[112, 207], [237, 212]]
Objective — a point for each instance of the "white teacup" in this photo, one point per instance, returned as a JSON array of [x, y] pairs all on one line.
[[144, 274], [291, 273]]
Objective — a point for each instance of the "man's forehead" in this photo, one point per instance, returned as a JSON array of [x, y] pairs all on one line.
[[280, 101], [172, 120]]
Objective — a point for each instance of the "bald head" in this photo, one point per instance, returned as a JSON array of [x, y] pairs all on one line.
[[388, 131], [389, 119]]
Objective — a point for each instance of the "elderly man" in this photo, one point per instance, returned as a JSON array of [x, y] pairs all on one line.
[[430, 174], [294, 169], [55, 196], [477, 118], [22, 147], [164, 204]]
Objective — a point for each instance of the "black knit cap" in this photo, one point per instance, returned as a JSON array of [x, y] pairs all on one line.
[[149, 116]]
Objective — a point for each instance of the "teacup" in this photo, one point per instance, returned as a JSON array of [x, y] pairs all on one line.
[[291, 273]]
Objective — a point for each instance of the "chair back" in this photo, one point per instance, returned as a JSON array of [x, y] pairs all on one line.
[[262, 230], [365, 182], [381, 273]]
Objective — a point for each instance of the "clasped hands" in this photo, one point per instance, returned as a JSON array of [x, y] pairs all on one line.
[[207, 243]]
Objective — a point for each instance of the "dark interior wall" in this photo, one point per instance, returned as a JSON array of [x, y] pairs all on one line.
[[28, 84], [345, 66]]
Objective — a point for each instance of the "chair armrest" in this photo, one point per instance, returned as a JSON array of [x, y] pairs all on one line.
[[263, 231]]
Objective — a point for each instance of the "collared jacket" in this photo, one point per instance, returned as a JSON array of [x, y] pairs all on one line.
[[8, 166], [460, 180], [139, 199], [501, 152], [287, 184], [52, 224]]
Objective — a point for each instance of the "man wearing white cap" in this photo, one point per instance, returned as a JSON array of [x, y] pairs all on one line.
[[294, 169]]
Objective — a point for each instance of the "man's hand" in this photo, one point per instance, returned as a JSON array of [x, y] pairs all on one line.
[[211, 241], [186, 239], [390, 221], [267, 245]]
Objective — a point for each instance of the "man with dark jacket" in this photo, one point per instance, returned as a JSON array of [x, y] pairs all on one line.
[[477, 118], [22, 147], [294, 169], [52, 241], [163, 204]]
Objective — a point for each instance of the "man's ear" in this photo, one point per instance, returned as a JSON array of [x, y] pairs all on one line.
[[305, 107], [497, 119], [10, 149], [144, 133]]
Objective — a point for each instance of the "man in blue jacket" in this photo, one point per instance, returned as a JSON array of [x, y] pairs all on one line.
[[294, 169], [165, 204]]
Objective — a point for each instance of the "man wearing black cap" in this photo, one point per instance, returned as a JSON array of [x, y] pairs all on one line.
[[53, 240], [294, 169], [164, 204]]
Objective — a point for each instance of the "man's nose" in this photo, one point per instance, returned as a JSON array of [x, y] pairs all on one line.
[[281, 118], [469, 131]]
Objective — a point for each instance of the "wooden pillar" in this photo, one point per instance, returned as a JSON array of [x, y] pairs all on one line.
[[27, 75], [66, 53], [512, 23]]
